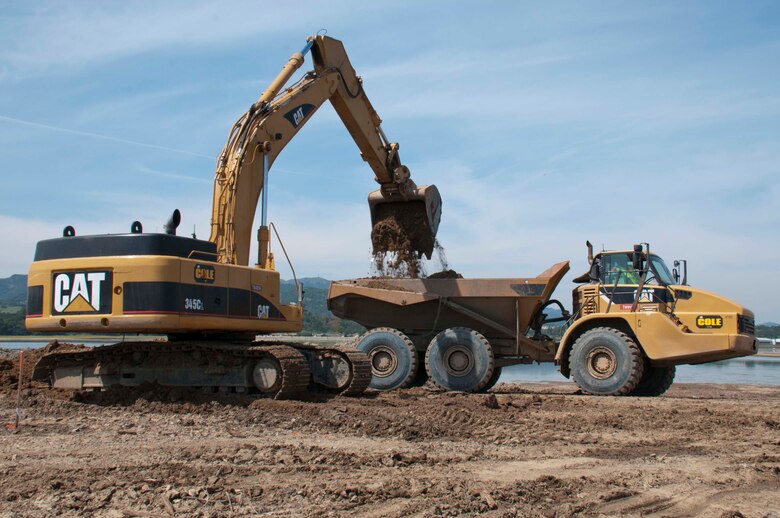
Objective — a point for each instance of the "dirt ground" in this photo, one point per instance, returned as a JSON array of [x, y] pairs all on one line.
[[536, 450]]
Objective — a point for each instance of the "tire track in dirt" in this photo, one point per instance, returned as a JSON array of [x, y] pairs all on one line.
[[705, 450]]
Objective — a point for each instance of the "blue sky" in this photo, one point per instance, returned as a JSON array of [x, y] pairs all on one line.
[[542, 123]]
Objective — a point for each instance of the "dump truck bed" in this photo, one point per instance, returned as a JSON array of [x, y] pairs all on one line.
[[502, 308]]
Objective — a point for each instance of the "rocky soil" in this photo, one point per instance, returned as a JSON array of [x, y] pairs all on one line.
[[526, 449]]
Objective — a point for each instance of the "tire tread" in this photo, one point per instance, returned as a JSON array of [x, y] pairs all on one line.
[[481, 339], [654, 386], [412, 374]]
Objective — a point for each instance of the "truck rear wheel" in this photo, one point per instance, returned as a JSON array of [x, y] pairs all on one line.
[[393, 358], [655, 381], [460, 359], [606, 362]]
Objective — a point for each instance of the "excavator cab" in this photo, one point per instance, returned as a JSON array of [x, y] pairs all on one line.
[[405, 222]]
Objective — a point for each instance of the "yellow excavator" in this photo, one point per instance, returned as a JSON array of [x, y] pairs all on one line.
[[203, 294]]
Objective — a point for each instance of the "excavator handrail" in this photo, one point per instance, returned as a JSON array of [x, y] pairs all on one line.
[[199, 252], [289, 262]]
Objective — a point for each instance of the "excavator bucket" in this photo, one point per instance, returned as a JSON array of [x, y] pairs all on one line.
[[405, 223]]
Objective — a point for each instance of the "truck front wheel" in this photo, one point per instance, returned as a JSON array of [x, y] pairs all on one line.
[[606, 362]]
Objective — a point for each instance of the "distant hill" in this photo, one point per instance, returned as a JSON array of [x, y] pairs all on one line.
[[310, 282], [769, 330], [13, 290], [316, 317]]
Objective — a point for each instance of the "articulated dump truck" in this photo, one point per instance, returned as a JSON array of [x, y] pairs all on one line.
[[633, 320]]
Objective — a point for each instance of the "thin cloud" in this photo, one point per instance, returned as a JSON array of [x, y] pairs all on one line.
[[88, 134], [66, 34], [163, 174]]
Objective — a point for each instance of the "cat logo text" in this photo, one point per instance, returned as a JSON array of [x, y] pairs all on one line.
[[81, 292]]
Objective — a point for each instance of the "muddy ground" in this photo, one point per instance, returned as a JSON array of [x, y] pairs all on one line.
[[710, 450]]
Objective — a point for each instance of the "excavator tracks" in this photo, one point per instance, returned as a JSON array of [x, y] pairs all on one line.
[[278, 369], [361, 370], [338, 368], [295, 370]]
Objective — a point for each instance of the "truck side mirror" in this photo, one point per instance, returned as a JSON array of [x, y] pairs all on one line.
[[680, 265], [637, 257]]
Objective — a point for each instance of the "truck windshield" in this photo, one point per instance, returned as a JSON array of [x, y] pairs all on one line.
[[661, 270]]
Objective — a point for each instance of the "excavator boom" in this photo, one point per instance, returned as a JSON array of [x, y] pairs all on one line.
[[267, 127]]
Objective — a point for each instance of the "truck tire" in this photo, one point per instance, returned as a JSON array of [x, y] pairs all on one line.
[[655, 381], [460, 359], [606, 362], [493, 379], [393, 358]]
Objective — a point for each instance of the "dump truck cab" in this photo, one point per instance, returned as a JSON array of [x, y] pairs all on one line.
[[634, 319]]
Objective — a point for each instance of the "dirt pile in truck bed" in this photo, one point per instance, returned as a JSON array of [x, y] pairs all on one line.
[[445, 274], [379, 284]]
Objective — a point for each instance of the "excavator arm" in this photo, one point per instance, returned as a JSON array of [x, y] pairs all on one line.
[[261, 133]]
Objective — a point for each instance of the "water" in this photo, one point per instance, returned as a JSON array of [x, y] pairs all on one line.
[[740, 371], [35, 345]]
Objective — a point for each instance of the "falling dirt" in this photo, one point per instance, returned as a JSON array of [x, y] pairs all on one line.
[[441, 255], [397, 239], [536, 450], [394, 254]]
